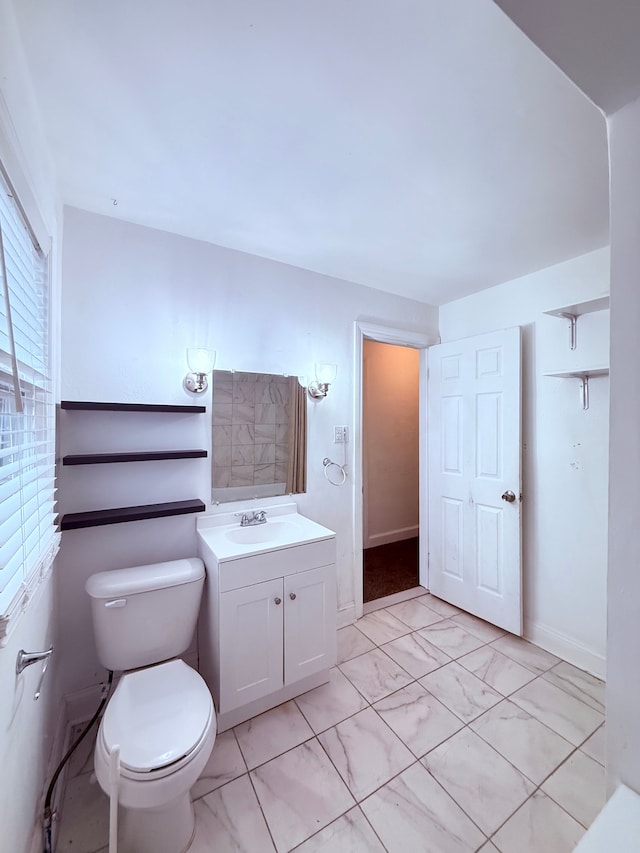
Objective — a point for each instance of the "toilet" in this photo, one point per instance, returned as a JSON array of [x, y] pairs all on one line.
[[161, 713]]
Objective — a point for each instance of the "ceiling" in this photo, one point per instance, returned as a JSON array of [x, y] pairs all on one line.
[[423, 147], [597, 43]]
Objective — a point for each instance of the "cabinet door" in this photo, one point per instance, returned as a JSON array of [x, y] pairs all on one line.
[[251, 637], [310, 622]]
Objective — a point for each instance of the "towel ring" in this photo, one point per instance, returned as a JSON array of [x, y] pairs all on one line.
[[329, 464]]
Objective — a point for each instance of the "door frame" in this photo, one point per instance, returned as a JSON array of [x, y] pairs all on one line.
[[404, 338]]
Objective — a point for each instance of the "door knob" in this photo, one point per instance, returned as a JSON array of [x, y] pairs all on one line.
[[292, 596], [278, 600], [509, 497]]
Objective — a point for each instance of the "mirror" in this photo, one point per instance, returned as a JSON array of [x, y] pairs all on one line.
[[259, 429]]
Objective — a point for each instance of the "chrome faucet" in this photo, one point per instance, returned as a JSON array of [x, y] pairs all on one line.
[[258, 516]]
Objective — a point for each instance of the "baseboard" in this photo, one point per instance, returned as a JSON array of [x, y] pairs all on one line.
[[566, 648], [392, 536], [346, 616]]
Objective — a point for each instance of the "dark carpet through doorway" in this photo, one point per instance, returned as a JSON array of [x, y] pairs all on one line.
[[390, 568]]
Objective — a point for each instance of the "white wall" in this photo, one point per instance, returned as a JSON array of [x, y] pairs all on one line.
[[565, 469], [390, 410], [623, 681], [27, 728], [133, 299]]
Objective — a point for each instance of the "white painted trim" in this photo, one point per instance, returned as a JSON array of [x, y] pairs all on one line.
[[16, 164], [346, 616], [392, 536], [423, 462], [566, 648], [398, 337]]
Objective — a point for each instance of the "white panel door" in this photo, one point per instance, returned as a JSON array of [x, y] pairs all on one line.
[[251, 635], [474, 443], [310, 623]]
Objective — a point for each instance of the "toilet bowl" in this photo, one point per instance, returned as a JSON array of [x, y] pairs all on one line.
[[161, 714], [162, 718]]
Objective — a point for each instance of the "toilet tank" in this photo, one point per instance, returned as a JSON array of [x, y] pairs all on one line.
[[145, 614]]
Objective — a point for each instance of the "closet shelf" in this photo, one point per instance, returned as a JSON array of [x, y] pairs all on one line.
[[116, 515], [88, 406], [572, 312], [583, 376], [578, 373], [144, 456]]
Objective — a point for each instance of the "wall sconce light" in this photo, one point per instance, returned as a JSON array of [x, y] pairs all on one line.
[[325, 374], [201, 361]]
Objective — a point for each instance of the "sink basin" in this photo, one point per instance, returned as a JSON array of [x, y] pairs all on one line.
[[272, 531], [222, 537]]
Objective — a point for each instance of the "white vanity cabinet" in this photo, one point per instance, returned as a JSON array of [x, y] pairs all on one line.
[[268, 626]]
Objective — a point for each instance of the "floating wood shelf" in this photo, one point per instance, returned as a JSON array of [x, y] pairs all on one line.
[[572, 312], [87, 406], [583, 376], [96, 518], [143, 456]]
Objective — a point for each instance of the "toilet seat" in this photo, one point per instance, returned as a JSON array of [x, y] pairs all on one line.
[[159, 716]]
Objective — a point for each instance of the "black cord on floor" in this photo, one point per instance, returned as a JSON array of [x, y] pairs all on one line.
[[48, 816]]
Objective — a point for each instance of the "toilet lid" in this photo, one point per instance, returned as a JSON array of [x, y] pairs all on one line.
[[157, 715]]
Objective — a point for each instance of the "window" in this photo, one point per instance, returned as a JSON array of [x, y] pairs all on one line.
[[28, 537]]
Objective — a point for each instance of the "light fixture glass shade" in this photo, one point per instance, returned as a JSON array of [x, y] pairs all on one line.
[[201, 359], [326, 372]]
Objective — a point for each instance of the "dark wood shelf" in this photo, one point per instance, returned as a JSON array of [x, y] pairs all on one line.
[[86, 406], [142, 456], [76, 520]]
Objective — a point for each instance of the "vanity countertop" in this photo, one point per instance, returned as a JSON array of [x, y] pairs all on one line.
[[223, 535]]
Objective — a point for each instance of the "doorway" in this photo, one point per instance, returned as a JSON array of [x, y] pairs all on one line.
[[391, 468], [406, 339]]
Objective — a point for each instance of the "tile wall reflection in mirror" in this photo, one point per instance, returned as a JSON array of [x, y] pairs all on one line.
[[259, 435]]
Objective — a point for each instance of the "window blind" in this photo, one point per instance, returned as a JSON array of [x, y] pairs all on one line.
[[28, 537]]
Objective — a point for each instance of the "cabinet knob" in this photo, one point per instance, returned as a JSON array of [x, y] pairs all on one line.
[[292, 596], [278, 600]]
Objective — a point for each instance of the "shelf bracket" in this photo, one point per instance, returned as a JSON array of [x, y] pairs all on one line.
[[584, 391], [573, 327]]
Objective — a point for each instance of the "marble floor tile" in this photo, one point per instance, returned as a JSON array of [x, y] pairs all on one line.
[[526, 654], [225, 763], [414, 614], [330, 703], [579, 787], [300, 793], [443, 608], [375, 675], [381, 627], [567, 716], [497, 670], [578, 683], [418, 718], [394, 598], [478, 627], [85, 817], [594, 747], [416, 654], [365, 752], [479, 779], [451, 638], [460, 691], [352, 643], [539, 826], [531, 747], [488, 848], [272, 733], [229, 820], [351, 833], [413, 807]]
